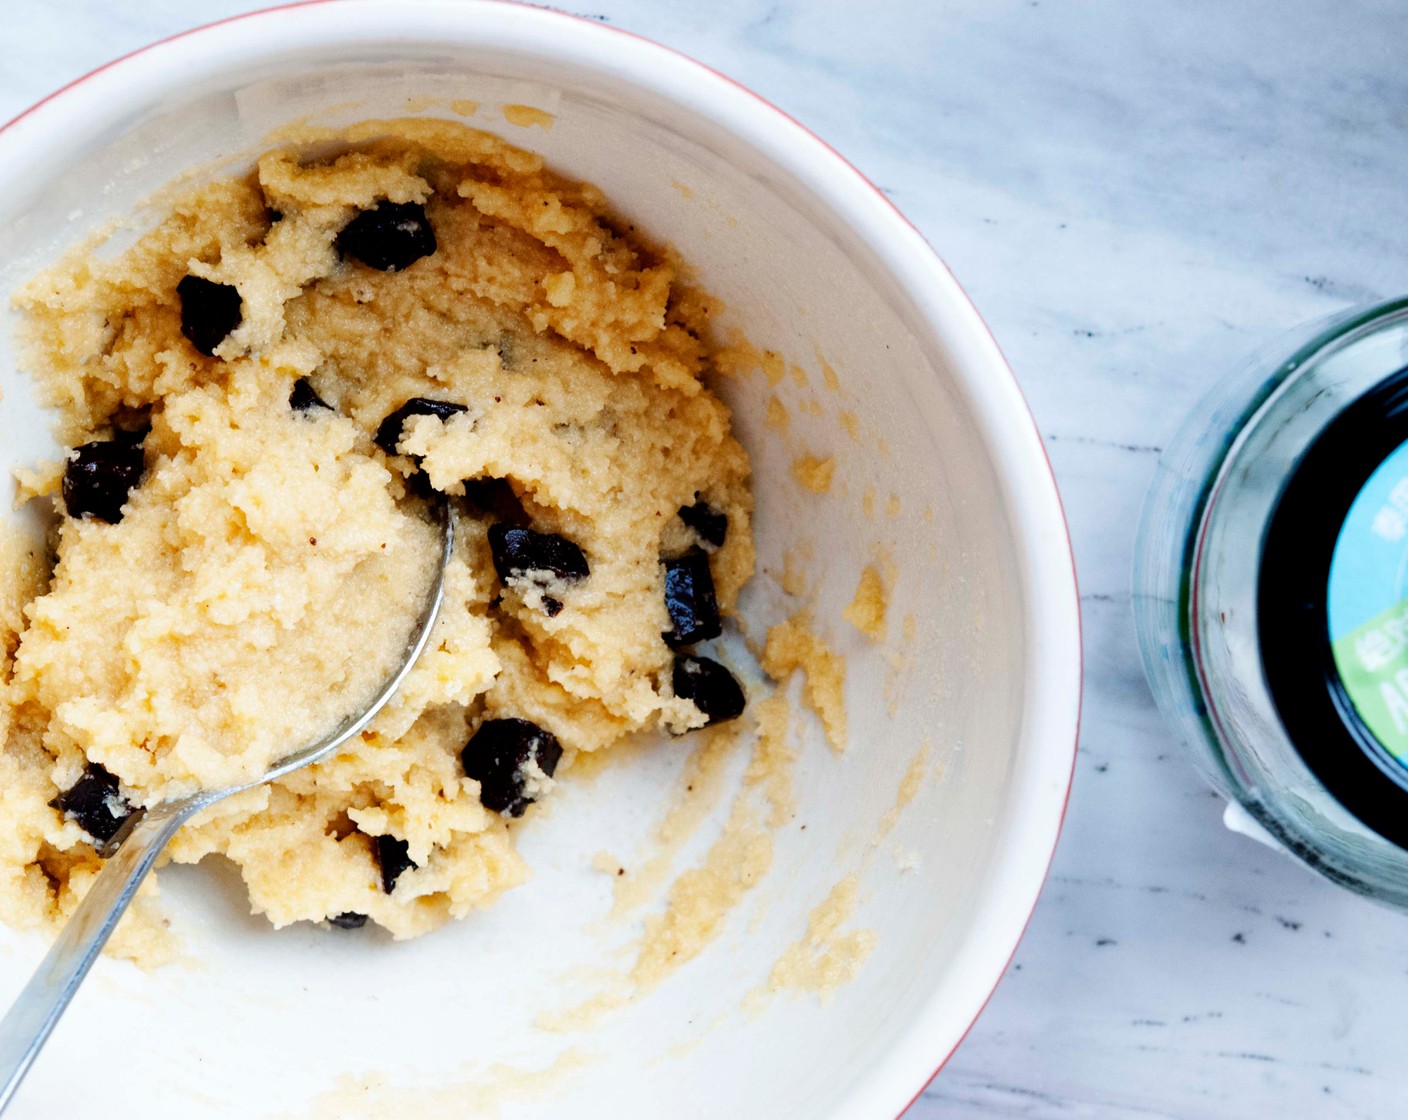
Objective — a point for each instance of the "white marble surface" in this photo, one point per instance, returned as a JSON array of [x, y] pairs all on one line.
[[1136, 193]]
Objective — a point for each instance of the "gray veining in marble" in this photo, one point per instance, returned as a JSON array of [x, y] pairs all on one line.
[[1136, 193]]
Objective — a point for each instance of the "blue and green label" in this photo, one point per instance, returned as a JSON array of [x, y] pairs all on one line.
[[1367, 606]]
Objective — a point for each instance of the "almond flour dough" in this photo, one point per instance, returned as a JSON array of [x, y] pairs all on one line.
[[269, 565]]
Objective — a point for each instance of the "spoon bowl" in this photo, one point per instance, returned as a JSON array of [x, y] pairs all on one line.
[[134, 849]]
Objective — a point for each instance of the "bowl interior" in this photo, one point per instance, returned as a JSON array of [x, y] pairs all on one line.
[[312, 1022]]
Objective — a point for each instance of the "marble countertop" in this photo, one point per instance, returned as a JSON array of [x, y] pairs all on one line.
[[1136, 193]]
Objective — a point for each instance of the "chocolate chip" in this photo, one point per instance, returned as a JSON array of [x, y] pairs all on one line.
[[523, 552], [209, 312], [349, 920], [303, 397], [388, 435], [94, 803], [689, 597], [500, 756], [709, 686], [393, 857], [495, 497], [99, 477], [389, 237], [705, 520], [275, 216]]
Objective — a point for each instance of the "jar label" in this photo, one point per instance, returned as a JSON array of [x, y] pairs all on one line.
[[1367, 604]]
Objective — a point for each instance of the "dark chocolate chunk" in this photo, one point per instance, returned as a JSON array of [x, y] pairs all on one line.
[[388, 435], [209, 312], [498, 757], [303, 397], [94, 803], [709, 523], [525, 553], [349, 920], [389, 237], [495, 497], [99, 476], [689, 597], [709, 686], [393, 857]]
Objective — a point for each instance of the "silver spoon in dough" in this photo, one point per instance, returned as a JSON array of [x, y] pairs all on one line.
[[37, 1008]]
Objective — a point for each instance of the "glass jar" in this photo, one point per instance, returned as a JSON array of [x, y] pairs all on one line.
[[1271, 594]]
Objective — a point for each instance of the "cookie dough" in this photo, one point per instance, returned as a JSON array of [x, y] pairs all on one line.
[[866, 611], [266, 567]]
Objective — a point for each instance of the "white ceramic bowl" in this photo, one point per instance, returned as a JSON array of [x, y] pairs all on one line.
[[810, 260]]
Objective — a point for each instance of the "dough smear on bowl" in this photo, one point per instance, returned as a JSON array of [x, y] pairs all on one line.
[[260, 394]]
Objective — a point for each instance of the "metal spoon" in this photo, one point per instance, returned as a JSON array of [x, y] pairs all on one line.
[[36, 1010]]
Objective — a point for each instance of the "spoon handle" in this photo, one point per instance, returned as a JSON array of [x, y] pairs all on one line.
[[37, 1008]]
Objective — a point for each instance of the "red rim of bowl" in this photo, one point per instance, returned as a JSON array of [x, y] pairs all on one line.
[[763, 102]]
